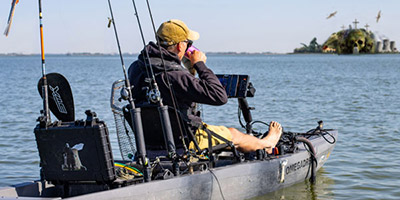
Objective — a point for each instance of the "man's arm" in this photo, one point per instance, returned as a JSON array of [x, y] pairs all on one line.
[[206, 89]]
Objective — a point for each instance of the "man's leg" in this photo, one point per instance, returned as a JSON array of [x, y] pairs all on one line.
[[247, 143]]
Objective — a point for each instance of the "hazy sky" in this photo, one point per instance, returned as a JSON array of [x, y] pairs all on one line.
[[224, 25]]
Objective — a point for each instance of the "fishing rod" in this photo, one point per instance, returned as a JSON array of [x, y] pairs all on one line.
[[154, 96], [10, 17], [46, 111], [134, 112], [154, 93], [169, 85]]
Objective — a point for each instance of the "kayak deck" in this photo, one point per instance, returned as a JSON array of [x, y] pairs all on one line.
[[238, 181]]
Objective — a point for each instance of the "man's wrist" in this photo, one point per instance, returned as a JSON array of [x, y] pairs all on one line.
[[199, 66]]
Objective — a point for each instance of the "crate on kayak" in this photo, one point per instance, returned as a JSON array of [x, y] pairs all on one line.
[[75, 151]]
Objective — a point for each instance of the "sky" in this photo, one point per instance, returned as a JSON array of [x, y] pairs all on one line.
[[224, 25]]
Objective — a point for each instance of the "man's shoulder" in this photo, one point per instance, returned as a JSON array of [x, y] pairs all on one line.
[[179, 72], [180, 76], [134, 64]]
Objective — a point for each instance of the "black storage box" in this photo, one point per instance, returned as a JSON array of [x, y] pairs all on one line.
[[75, 151]]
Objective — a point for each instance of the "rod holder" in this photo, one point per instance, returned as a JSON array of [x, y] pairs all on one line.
[[140, 144], [169, 137]]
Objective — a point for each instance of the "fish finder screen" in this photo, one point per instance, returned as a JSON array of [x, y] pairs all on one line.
[[235, 85]]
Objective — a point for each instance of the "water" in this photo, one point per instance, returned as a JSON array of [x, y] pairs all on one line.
[[358, 95]]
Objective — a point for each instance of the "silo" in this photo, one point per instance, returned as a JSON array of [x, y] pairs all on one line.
[[379, 46], [386, 45], [393, 46]]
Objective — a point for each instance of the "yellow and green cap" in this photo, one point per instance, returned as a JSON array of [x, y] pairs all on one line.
[[175, 31]]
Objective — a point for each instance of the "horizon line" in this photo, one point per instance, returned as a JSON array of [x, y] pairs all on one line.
[[128, 53]]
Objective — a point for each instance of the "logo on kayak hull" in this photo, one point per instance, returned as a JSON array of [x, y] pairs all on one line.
[[298, 165]]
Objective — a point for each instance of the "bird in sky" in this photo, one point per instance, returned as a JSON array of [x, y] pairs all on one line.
[[331, 15], [378, 17]]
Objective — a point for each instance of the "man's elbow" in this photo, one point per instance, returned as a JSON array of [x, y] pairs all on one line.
[[222, 100], [225, 100]]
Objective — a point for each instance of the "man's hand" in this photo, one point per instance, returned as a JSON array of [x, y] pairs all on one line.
[[197, 56]]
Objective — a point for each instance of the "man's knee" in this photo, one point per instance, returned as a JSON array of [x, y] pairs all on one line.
[[233, 131]]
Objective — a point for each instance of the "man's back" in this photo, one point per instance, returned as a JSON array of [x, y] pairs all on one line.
[[187, 88]]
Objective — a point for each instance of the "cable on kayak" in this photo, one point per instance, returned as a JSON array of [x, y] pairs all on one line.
[[320, 131], [219, 185], [130, 168], [314, 161], [251, 124]]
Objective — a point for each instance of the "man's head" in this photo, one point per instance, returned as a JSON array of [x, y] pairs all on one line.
[[176, 36], [175, 31]]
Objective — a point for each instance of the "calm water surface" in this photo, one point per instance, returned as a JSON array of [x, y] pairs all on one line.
[[358, 95]]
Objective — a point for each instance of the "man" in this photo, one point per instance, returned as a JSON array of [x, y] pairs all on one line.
[[175, 39]]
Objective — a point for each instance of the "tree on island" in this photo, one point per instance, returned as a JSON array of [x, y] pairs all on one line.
[[313, 47]]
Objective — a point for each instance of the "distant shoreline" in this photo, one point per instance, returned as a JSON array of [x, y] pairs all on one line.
[[134, 54], [208, 53]]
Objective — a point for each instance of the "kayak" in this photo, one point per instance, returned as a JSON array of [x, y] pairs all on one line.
[[241, 180], [77, 161]]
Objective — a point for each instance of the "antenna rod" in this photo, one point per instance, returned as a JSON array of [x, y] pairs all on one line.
[[46, 110], [134, 112]]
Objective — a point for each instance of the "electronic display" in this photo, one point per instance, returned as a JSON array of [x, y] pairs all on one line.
[[235, 85]]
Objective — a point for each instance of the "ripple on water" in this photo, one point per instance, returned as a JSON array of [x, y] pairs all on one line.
[[4, 145], [305, 190]]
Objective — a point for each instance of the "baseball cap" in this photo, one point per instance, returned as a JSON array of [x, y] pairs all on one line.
[[175, 31]]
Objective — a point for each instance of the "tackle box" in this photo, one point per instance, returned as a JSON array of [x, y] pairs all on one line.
[[75, 151]]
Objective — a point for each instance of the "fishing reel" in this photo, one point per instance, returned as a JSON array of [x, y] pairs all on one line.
[[124, 94], [152, 92], [153, 95]]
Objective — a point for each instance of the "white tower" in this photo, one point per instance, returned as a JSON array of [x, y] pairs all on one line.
[[386, 45], [379, 47], [393, 46]]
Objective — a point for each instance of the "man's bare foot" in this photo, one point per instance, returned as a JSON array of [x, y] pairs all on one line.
[[274, 134]]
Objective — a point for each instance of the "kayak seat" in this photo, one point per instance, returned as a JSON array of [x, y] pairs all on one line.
[[154, 137], [152, 128]]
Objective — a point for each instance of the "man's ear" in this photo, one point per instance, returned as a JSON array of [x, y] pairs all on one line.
[[180, 46]]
